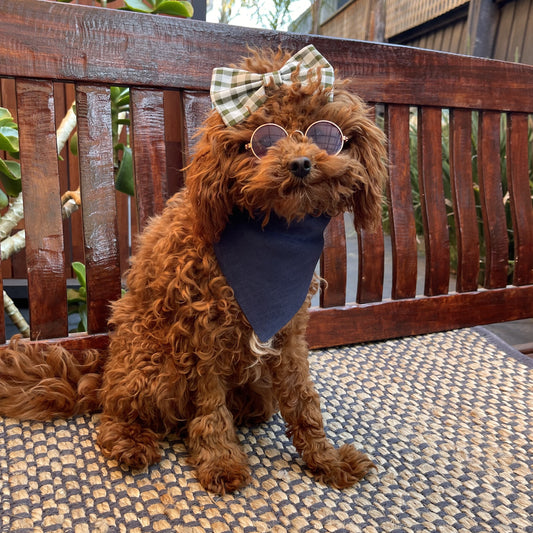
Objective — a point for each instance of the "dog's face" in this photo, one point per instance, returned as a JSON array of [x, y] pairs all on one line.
[[295, 176]]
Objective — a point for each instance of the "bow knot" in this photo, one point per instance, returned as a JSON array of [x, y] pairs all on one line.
[[236, 93], [275, 76]]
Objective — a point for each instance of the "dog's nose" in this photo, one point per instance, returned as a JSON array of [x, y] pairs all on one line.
[[300, 166]]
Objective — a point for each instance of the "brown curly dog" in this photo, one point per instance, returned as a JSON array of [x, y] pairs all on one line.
[[182, 352]]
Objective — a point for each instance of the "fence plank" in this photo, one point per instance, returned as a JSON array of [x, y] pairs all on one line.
[[493, 212], [436, 238], [42, 209], [520, 197], [401, 214], [149, 154], [464, 202], [97, 187]]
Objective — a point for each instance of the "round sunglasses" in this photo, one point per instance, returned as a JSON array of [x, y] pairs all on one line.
[[325, 134]]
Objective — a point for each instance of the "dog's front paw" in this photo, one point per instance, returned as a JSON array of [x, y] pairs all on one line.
[[129, 444], [342, 467], [222, 472], [224, 476]]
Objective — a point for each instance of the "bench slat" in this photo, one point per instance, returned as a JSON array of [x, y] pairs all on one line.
[[196, 106], [464, 202], [371, 270], [493, 212], [149, 152], [383, 73], [45, 257], [436, 238], [333, 264], [3, 319], [102, 262], [401, 215], [398, 318], [520, 197]]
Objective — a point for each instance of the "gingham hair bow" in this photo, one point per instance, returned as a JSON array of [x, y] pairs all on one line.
[[238, 93]]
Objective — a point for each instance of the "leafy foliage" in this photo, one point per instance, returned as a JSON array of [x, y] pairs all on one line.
[[77, 298], [273, 18], [167, 7], [120, 106], [9, 169], [179, 8]]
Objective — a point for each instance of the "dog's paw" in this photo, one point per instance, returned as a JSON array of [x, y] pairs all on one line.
[[343, 467], [223, 477], [130, 445]]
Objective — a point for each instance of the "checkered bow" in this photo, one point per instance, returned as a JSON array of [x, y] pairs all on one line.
[[236, 94]]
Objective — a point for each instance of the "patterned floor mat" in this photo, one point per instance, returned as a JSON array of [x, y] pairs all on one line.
[[446, 418]]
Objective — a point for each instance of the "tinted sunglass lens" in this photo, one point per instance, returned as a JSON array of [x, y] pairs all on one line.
[[326, 136], [264, 137]]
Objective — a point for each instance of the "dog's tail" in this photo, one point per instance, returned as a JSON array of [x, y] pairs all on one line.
[[45, 382]]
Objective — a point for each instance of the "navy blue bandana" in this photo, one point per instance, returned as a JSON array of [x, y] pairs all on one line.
[[270, 269]]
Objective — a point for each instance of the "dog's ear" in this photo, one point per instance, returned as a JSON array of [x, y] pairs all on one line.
[[207, 180], [367, 147]]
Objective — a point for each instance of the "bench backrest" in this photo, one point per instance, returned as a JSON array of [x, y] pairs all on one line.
[[440, 102]]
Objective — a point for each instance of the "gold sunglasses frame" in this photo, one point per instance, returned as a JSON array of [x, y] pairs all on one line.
[[249, 147]]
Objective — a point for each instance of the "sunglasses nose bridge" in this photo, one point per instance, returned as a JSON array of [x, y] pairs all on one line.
[[297, 133]]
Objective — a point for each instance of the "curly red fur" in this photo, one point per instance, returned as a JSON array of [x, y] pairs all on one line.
[[182, 353]]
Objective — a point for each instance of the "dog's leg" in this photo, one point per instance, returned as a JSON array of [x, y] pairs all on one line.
[[252, 403], [143, 399], [214, 449], [300, 407]]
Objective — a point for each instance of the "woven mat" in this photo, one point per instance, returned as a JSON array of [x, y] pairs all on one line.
[[446, 417]]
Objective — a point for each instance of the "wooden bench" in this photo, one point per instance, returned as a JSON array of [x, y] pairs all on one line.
[[164, 59]]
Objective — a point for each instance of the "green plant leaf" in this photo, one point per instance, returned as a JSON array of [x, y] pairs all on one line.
[[7, 122], [124, 179], [175, 7], [168, 7], [77, 299], [10, 177], [137, 5], [120, 96], [4, 200], [6, 118], [9, 140], [123, 99], [74, 297], [79, 271], [74, 143], [82, 310]]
